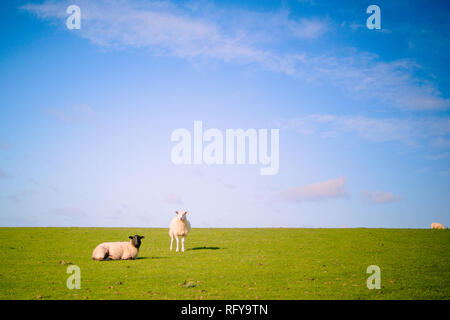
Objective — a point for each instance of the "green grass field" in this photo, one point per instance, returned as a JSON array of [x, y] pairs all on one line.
[[228, 264]]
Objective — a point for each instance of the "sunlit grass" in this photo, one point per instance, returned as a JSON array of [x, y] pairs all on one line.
[[228, 264]]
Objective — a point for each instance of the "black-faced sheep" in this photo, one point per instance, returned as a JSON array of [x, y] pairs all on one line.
[[118, 250]]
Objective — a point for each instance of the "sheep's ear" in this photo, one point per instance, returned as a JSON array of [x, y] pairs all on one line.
[[142, 237], [176, 212], [130, 237], [185, 212]]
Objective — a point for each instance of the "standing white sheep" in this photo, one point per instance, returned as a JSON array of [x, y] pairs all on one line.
[[179, 227], [437, 225], [118, 250]]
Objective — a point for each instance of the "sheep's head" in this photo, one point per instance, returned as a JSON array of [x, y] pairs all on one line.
[[136, 240], [181, 215]]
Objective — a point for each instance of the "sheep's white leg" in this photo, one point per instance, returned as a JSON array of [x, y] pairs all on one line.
[[171, 242], [176, 238], [182, 244]]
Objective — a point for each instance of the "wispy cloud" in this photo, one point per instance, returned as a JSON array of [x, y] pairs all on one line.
[[365, 77], [165, 28], [334, 188], [409, 131], [308, 28], [379, 197], [74, 113], [162, 28]]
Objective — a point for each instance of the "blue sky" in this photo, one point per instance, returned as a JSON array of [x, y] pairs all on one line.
[[86, 115]]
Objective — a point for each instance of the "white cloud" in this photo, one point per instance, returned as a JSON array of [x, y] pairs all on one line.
[[74, 113], [378, 197], [408, 131], [308, 28], [164, 29], [334, 188], [244, 37], [365, 77]]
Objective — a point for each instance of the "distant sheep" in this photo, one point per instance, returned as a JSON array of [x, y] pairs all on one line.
[[179, 227], [118, 250], [436, 225]]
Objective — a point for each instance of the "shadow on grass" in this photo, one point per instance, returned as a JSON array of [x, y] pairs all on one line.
[[138, 258], [204, 248]]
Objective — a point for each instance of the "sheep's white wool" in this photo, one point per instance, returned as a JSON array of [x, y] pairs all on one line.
[[179, 227], [436, 225], [115, 251]]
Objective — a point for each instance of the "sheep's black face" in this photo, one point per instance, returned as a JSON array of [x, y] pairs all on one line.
[[136, 239]]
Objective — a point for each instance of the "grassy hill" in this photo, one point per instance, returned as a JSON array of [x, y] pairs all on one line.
[[228, 264]]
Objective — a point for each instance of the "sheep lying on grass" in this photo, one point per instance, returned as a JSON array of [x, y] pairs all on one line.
[[179, 227], [436, 225], [118, 250]]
